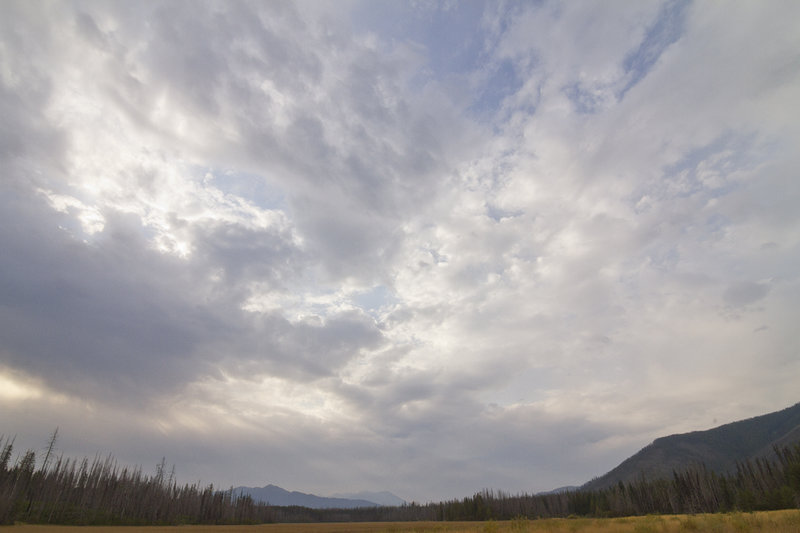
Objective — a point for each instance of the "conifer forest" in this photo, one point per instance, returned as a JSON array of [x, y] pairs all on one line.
[[50, 489]]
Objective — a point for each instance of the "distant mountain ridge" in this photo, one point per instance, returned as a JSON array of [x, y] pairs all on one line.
[[274, 495], [719, 449], [385, 498]]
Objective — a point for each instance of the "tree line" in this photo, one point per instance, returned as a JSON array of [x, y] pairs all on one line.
[[101, 492], [759, 484]]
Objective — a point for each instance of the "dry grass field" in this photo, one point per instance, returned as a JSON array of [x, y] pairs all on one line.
[[767, 522]]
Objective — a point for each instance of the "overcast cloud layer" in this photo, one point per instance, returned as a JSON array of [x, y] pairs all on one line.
[[426, 248]]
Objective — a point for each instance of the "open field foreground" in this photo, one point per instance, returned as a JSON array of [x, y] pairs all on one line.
[[787, 521]]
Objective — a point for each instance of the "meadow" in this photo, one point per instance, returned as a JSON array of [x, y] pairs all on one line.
[[785, 521]]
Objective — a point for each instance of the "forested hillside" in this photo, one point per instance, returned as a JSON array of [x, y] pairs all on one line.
[[719, 449]]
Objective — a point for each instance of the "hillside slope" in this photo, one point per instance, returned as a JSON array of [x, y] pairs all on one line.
[[719, 448]]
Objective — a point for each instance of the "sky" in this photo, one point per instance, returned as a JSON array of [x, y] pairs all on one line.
[[423, 247]]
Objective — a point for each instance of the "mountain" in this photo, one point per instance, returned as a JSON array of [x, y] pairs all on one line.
[[275, 495], [719, 448], [559, 490], [385, 498]]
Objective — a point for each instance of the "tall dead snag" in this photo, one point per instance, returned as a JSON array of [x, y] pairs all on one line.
[[49, 453]]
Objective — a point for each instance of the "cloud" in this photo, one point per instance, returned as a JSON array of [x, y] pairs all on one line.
[[745, 293], [91, 317], [489, 245]]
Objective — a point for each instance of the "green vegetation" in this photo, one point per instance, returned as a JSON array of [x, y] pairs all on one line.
[[63, 491]]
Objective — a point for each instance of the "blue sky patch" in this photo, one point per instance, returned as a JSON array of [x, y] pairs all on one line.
[[255, 188], [374, 299], [503, 83], [667, 29]]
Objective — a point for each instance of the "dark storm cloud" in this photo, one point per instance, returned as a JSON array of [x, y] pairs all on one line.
[[116, 320], [112, 318], [90, 318]]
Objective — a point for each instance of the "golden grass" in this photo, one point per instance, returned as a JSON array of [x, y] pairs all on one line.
[[772, 521]]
